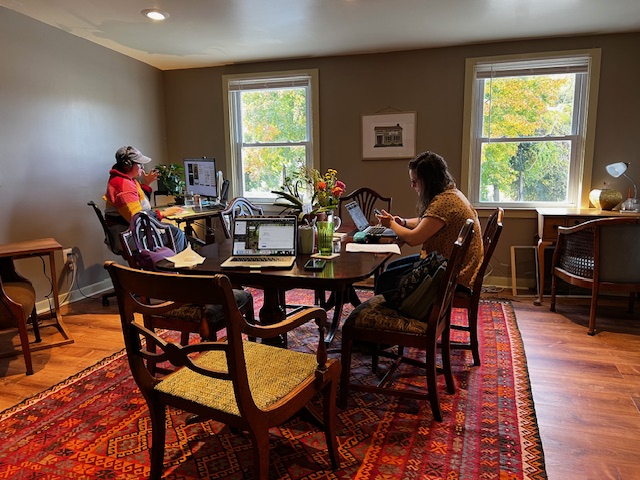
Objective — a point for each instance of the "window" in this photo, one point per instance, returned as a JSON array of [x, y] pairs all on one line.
[[271, 124], [529, 140]]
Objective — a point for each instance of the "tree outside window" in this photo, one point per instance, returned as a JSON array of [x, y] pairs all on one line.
[[528, 131], [271, 125]]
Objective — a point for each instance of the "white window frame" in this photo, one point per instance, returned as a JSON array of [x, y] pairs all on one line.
[[582, 136], [233, 134]]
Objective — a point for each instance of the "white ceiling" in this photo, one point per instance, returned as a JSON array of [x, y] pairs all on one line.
[[201, 33]]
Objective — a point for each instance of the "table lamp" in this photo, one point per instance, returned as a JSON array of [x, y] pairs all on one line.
[[616, 170]]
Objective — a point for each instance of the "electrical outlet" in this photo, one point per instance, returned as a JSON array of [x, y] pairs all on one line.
[[67, 254]]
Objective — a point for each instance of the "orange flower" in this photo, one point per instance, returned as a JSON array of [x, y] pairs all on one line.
[[337, 191], [322, 186]]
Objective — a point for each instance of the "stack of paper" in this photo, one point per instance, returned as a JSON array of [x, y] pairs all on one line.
[[186, 258], [374, 247]]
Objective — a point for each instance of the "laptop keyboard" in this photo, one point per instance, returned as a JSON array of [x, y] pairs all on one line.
[[255, 259], [377, 230]]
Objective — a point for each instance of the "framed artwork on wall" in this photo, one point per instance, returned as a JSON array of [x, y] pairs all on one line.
[[389, 136]]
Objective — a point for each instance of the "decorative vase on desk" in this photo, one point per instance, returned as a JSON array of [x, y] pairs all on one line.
[[605, 198]]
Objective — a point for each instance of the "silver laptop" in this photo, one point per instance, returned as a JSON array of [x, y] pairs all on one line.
[[263, 242], [362, 224]]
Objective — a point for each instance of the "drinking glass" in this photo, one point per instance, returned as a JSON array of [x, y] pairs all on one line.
[[325, 237], [326, 228]]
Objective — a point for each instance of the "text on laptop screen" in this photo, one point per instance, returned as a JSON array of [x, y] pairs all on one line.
[[262, 236], [357, 216]]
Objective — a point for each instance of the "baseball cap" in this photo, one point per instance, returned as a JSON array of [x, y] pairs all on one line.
[[133, 154]]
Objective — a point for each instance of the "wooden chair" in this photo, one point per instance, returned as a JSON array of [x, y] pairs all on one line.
[[204, 319], [600, 255], [367, 199], [470, 300], [374, 322], [17, 308], [248, 386], [239, 206]]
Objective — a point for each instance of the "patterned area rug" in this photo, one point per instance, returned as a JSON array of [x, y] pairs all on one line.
[[95, 425]]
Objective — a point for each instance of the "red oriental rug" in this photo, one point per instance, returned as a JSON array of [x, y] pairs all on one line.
[[95, 425]]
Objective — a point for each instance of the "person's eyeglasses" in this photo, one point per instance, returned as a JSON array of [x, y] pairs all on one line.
[[414, 181]]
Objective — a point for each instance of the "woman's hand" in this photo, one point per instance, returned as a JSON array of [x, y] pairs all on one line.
[[385, 218], [400, 221], [148, 178], [167, 212]]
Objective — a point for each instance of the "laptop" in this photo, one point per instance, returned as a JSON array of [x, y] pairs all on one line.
[[362, 224], [263, 242]]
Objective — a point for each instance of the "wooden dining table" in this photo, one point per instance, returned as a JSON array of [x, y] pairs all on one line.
[[337, 277]]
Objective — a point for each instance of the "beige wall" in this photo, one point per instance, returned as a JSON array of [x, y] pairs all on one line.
[[67, 105], [429, 82]]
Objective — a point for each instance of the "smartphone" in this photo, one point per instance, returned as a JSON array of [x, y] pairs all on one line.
[[315, 264], [377, 212]]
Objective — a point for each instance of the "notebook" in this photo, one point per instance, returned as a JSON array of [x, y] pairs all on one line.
[[263, 242], [362, 224]]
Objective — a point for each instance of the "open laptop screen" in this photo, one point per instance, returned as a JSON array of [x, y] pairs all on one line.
[[357, 215], [264, 236]]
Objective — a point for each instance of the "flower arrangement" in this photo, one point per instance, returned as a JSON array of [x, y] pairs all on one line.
[[307, 191]]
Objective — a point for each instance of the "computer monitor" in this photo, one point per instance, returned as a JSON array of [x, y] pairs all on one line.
[[200, 176]]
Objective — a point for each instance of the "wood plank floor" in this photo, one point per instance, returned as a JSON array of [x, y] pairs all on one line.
[[586, 389]]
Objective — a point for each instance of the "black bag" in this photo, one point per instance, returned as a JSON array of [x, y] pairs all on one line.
[[425, 269]]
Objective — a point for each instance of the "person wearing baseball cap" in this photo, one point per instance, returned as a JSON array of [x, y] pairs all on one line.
[[126, 195]]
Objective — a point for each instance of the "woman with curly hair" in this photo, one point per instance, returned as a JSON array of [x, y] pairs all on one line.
[[442, 211]]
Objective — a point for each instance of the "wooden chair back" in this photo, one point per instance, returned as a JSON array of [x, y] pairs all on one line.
[[367, 199], [598, 255], [249, 391], [148, 233], [471, 301], [239, 206]]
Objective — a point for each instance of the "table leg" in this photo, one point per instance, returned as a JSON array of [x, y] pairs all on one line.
[[542, 245], [58, 322], [337, 304], [273, 311]]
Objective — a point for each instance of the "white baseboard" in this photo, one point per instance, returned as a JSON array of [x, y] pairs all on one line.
[[88, 291]]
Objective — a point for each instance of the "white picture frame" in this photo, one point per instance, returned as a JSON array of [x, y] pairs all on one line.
[[387, 136]]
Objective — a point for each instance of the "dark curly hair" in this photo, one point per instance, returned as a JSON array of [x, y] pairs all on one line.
[[433, 172]]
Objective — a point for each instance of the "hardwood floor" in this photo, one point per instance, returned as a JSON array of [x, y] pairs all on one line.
[[586, 389]]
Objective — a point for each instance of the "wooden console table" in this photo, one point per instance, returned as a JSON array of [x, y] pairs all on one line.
[[549, 219], [39, 248]]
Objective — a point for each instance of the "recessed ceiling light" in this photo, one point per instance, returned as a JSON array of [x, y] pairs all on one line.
[[155, 14]]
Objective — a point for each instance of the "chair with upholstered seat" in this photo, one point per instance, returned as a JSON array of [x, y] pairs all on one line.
[[600, 255], [375, 322], [206, 320], [470, 300], [245, 385], [17, 308], [239, 206]]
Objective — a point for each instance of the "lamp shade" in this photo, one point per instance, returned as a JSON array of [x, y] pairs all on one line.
[[617, 169]]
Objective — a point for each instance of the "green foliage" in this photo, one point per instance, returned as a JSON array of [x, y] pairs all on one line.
[[308, 186], [272, 116], [529, 107], [172, 177]]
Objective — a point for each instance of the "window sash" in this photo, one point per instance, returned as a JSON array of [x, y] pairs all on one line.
[[580, 66], [235, 87]]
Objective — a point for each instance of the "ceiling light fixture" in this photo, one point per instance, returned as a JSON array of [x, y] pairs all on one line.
[[155, 14]]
